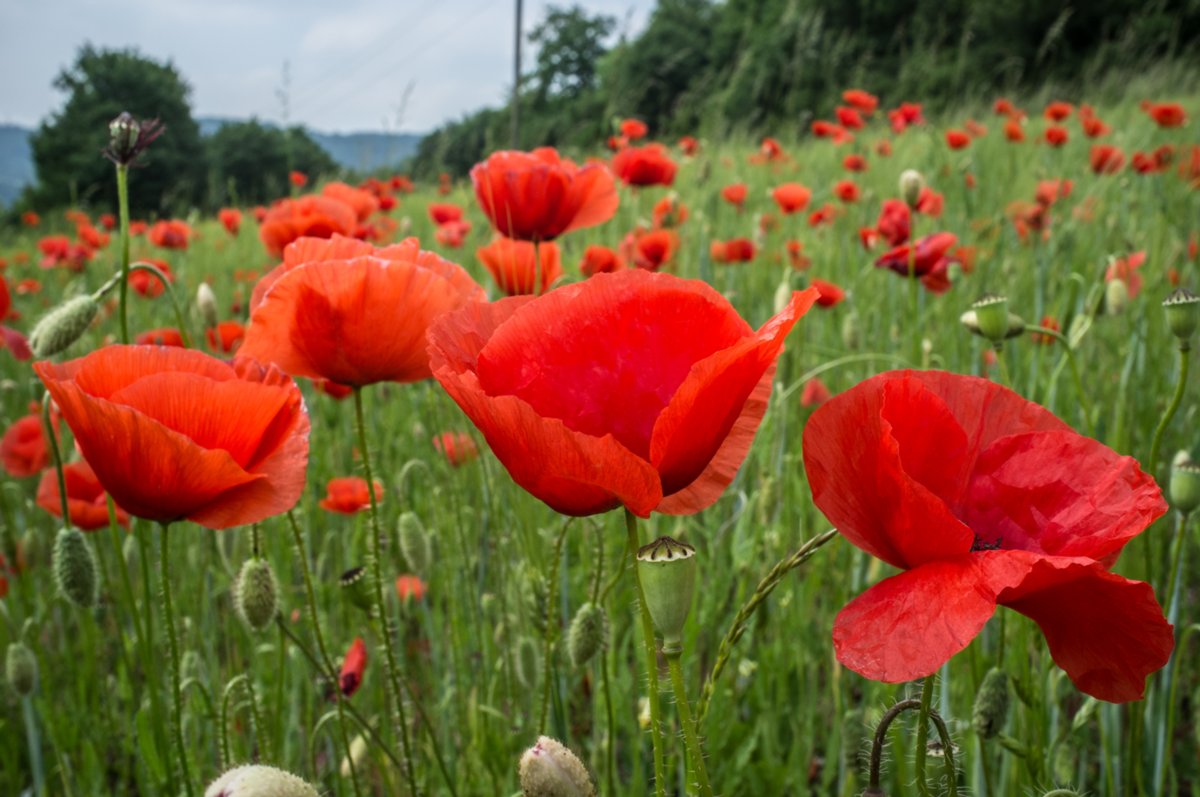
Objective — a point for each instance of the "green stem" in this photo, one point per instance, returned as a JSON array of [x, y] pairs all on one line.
[[395, 695], [923, 736], [691, 739], [142, 265], [123, 209], [660, 780], [551, 628], [1180, 386], [173, 642], [58, 463], [34, 741]]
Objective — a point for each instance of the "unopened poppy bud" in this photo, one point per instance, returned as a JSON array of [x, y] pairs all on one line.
[[1182, 307], [668, 572], [911, 184], [75, 568], [63, 325], [356, 586], [256, 594], [415, 544], [1185, 484], [850, 331], [257, 780], [527, 662], [549, 769], [588, 634], [20, 668], [991, 704], [1116, 297], [206, 303]]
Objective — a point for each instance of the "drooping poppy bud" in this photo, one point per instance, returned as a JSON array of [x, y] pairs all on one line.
[[549, 769], [75, 568], [1182, 307], [63, 325], [20, 668], [128, 138], [991, 704], [256, 594], [668, 573], [588, 634]]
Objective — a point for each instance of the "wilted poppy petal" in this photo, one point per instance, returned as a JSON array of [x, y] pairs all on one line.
[[907, 626]]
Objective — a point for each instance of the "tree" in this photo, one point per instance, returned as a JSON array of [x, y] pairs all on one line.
[[99, 86], [249, 162], [569, 44]]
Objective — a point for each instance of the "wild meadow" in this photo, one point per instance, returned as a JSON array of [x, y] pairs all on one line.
[[941, 363]]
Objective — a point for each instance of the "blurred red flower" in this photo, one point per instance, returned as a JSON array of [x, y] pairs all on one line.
[[85, 497], [854, 163], [651, 250], [167, 336], [633, 129], [147, 284], [231, 219], [957, 139], [364, 203], [641, 166], [305, 217], [815, 393], [669, 212], [791, 197], [442, 212], [861, 100], [735, 194], [23, 450], [1166, 114], [1013, 131], [353, 666], [347, 495], [830, 295], [600, 260], [1056, 136], [1106, 159], [895, 222], [458, 447], [452, 234], [927, 260], [735, 250], [1057, 111], [518, 269], [227, 336], [1126, 270], [688, 145], [846, 190], [410, 587], [13, 340], [170, 234], [849, 118]]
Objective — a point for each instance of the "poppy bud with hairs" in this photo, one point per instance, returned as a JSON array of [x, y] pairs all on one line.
[[588, 634], [991, 704], [63, 325], [549, 769], [75, 568], [256, 594], [20, 668]]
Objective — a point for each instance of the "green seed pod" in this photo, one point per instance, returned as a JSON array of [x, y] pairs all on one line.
[[63, 325], [356, 586], [75, 568], [415, 544], [1184, 487], [256, 594], [668, 572], [970, 320], [1182, 307], [588, 634], [549, 769], [527, 662], [20, 668], [259, 781], [991, 704], [851, 338], [911, 185], [991, 312], [1116, 297]]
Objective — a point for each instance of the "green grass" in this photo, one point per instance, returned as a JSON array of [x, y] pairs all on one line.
[[784, 717]]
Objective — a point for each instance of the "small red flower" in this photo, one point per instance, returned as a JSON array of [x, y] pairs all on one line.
[[983, 499], [930, 202], [1058, 111], [925, 260], [298, 179], [442, 212], [227, 336], [539, 196], [410, 587], [895, 222], [641, 166], [231, 219], [600, 260], [1106, 159], [147, 284], [353, 666], [1056, 136], [452, 233], [689, 146], [172, 234], [957, 139], [849, 118], [1167, 114], [167, 336], [791, 197], [347, 495], [651, 250], [847, 191], [735, 194], [861, 100], [735, 250], [1013, 131], [86, 499], [633, 129], [854, 163], [459, 447], [796, 256], [815, 393], [830, 295], [1126, 270], [669, 212]]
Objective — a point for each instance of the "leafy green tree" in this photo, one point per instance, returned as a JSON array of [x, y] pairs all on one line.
[[249, 162], [570, 42], [99, 86]]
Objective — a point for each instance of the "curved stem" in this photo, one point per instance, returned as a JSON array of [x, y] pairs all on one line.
[[691, 739], [395, 695], [58, 463], [923, 735], [150, 268], [551, 627], [1180, 386], [173, 642], [1084, 402], [123, 210], [660, 780], [881, 734]]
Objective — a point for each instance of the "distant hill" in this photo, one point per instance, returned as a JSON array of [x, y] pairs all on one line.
[[358, 151]]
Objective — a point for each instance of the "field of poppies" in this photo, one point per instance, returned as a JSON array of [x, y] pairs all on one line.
[[892, 412]]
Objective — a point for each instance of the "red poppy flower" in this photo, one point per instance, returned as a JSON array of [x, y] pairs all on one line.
[[930, 202], [735, 250], [148, 285], [167, 336], [846, 190], [1013, 131], [30, 219], [796, 256], [353, 666], [90, 237], [346, 311], [957, 139], [815, 393], [444, 212], [540, 196], [791, 197], [305, 217], [928, 260], [830, 295], [600, 260], [770, 149], [894, 222], [640, 166], [1004, 107], [669, 212], [227, 336], [1093, 127], [633, 129], [854, 163], [298, 179], [688, 145], [822, 215], [13, 340], [862, 100], [975, 129], [652, 250], [849, 118], [364, 203], [1057, 111], [410, 587], [822, 128], [1056, 136], [348, 495], [1049, 322], [23, 449], [1050, 191], [518, 269], [883, 148], [1126, 270], [983, 499], [459, 447], [452, 233], [231, 219], [57, 250], [173, 433], [1167, 114], [172, 234], [85, 497], [734, 194], [1106, 159], [629, 388]]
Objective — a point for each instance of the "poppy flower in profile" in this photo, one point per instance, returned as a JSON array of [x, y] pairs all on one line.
[[735, 194], [226, 336], [600, 260], [861, 100], [1166, 114], [735, 250], [354, 664], [1013, 131], [23, 450], [1056, 136], [669, 212], [770, 149], [930, 202], [1046, 339], [815, 393], [642, 166], [305, 217], [1093, 127], [410, 587], [1106, 159], [347, 495], [352, 313], [651, 250], [830, 295], [854, 163], [847, 191], [633, 389], [927, 260], [633, 129], [983, 499], [791, 197], [147, 284], [86, 499], [364, 203], [849, 118], [1058, 111], [298, 179], [174, 433], [539, 196], [231, 220], [957, 139], [30, 219], [443, 212], [822, 215], [167, 336], [518, 269], [458, 447], [172, 234]]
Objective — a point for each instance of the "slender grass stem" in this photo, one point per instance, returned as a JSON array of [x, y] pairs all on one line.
[[656, 734], [173, 643]]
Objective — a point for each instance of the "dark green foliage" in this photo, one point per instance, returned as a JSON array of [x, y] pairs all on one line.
[[99, 86], [250, 161]]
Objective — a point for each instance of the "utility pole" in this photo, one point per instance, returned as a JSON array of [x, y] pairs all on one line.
[[516, 95]]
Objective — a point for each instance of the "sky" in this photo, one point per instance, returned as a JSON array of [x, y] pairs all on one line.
[[353, 65]]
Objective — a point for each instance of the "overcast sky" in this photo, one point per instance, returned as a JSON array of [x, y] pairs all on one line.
[[350, 61]]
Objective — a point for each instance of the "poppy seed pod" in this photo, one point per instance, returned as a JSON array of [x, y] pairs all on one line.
[[1184, 487], [970, 320], [415, 543], [75, 568], [20, 668], [259, 781], [668, 572], [991, 704], [588, 634], [63, 325], [991, 313], [206, 303], [911, 183], [1182, 307], [356, 586], [549, 769], [256, 594]]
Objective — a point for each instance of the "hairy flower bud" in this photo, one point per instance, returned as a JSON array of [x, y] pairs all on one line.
[[128, 138], [668, 572], [851, 336], [75, 568], [20, 668], [63, 325], [588, 634], [256, 594], [991, 704], [549, 769], [259, 781]]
